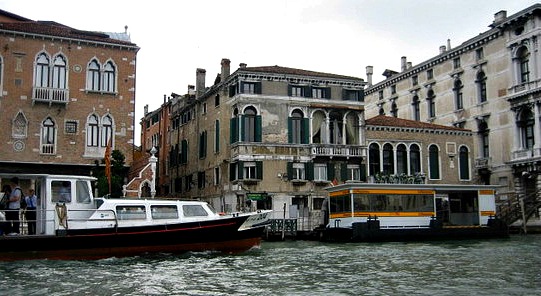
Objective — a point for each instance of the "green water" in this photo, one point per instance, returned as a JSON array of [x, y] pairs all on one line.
[[490, 267]]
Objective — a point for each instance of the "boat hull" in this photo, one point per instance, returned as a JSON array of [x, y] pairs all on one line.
[[217, 235]]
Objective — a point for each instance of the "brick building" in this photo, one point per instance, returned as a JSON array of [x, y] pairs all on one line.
[[64, 95]]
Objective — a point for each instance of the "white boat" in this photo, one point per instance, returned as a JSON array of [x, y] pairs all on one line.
[[72, 224]]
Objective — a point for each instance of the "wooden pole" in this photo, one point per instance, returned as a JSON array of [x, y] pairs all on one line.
[[523, 215], [284, 223]]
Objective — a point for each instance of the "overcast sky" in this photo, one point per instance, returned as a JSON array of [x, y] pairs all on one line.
[[339, 37]]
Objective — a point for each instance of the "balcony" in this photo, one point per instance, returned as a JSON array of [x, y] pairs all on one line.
[[483, 162], [332, 150], [50, 95]]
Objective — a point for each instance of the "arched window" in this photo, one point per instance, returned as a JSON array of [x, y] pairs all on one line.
[[481, 86], [48, 136], [109, 77], [42, 71], [92, 131], [394, 109], [415, 159], [526, 126], [335, 127], [434, 162], [59, 72], [523, 56], [93, 76], [415, 107], [388, 159], [251, 125], [318, 127], [298, 128], [431, 104], [401, 159], [464, 163], [373, 158], [19, 127], [107, 130], [459, 103], [352, 128], [483, 138]]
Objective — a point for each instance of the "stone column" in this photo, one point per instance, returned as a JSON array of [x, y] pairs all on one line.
[[153, 160]]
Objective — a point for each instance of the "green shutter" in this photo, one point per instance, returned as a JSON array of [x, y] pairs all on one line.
[[242, 123], [305, 131], [259, 170], [233, 130], [232, 167], [363, 172], [344, 172], [258, 128], [330, 171], [217, 136], [289, 170], [309, 168], [257, 88], [328, 93], [289, 90], [240, 172], [308, 91], [241, 90], [361, 95], [344, 94]]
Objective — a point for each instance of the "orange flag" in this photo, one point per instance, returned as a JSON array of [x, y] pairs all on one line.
[[108, 163]]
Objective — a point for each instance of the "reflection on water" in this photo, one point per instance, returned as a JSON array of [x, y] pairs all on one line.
[[492, 267]]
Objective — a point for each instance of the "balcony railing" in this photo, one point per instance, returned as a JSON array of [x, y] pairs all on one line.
[[50, 95], [338, 150]]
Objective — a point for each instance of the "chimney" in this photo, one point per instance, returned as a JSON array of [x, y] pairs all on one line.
[[226, 69], [403, 64], [191, 90], [200, 82], [164, 98], [369, 72], [242, 65], [448, 44], [499, 17], [442, 49], [146, 109]]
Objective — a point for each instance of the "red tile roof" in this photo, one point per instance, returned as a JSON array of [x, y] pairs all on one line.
[[382, 120], [292, 71], [49, 28]]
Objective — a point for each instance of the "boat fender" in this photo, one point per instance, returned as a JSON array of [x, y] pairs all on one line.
[[62, 213]]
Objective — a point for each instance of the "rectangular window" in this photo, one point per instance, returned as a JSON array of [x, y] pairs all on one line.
[[248, 88], [321, 93], [414, 80], [456, 63], [71, 127], [479, 54], [429, 74], [298, 171], [129, 212], [353, 95], [249, 170], [204, 108], [297, 91], [216, 176], [393, 89], [320, 172], [354, 172], [164, 212], [380, 95]]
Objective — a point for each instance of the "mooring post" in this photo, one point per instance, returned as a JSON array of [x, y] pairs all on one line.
[[284, 223], [521, 201]]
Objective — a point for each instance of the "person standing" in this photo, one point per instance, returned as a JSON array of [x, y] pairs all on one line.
[[14, 204], [30, 213], [6, 193]]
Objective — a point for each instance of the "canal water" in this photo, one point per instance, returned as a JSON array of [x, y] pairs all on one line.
[[489, 267]]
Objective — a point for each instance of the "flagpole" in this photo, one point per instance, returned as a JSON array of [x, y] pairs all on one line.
[[108, 164]]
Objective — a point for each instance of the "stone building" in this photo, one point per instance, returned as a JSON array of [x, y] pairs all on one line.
[[489, 84], [64, 95], [267, 137]]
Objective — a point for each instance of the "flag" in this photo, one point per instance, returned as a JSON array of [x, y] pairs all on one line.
[[108, 163], [334, 182]]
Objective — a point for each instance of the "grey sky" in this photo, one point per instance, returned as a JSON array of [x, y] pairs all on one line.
[[340, 37]]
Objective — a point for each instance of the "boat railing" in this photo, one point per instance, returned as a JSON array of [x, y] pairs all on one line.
[[50, 220]]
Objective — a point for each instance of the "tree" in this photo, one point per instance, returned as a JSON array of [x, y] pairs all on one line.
[[118, 173]]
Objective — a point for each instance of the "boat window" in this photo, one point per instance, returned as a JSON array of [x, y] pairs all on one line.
[[164, 212], [61, 191], [83, 192], [129, 212], [194, 211]]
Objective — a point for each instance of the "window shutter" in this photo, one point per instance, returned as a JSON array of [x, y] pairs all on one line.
[[289, 90], [242, 123], [330, 171], [345, 94], [241, 90], [240, 170], [290, 130], [232, 171], [201, 144], [258, 128], [361, 95], [232, 90], [259, 170], [309, 169], [363, 172], [217, 136], [344, 172], [233, 130], [305, 134], [257, 88], [290, 171], [308, 91], [327, 93]]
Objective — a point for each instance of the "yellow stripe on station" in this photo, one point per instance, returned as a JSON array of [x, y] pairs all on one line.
[[338, 193], [393, 191], [488, 213], [382, 214], [486, 192]]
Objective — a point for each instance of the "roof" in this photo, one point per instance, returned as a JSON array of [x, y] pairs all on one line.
[[15, 23], [382, 120], [292, 71]]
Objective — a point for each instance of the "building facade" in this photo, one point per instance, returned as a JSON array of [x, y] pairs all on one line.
[[490, 85], [65, 94]]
